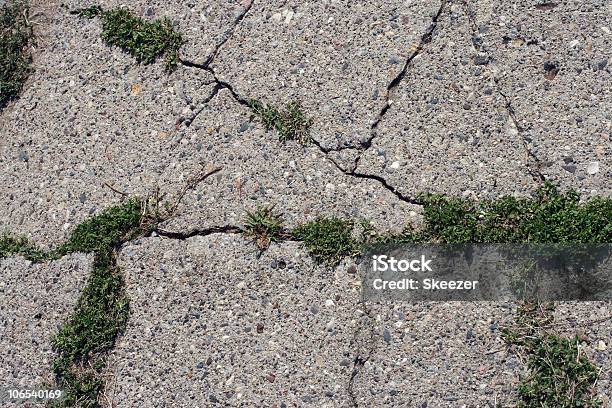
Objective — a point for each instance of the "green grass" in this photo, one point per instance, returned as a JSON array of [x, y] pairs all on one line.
[[16, 41], [290, 124], [548, 217], [145, 40], [328, 239], [103, 308], [560, 375], [263, 226], [12, 245]]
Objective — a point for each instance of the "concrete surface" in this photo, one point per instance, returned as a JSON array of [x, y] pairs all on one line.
[[474, 99], [34, 301]]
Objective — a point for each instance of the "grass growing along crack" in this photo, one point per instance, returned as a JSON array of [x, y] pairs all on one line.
[[290, 123], [102, 310], [264, 226], [16, 39], [328, 240], [145, 40]]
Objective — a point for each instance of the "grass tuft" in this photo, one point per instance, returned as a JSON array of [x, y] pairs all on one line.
[[328, 239], [11, 245], [16, 39], [144, 40], [291, 124], [560, 375], [264, 226]]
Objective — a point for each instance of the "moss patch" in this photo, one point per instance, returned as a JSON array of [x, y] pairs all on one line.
[[290, 123], [549, 217], [16, 39], [144, 40]]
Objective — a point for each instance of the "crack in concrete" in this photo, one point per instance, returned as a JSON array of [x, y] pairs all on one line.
[[360, 360], [426, 38], [225, 229], [535, 173], [228, 34]]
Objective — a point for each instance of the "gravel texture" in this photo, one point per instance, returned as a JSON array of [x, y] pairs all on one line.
[[34, 301], [473, 99], [215, 323]]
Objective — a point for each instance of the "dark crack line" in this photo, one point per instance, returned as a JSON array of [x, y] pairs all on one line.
[[226, 229], [219, 85], [536, 172], [360, 360], [228, 34], [425, 40]]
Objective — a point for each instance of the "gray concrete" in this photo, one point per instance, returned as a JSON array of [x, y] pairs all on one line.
[[479, 113], [213, 321], [34, 301]]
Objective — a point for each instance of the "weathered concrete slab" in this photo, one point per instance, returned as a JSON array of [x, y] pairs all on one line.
[[89, 115], [336, 57], [35, 300], [448, 129], [438, 355], [213, 323], [257, 169], [552, 63]]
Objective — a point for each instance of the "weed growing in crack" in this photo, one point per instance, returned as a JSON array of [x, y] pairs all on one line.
[[328, 239], [89, 12], [16, 39], [102, 310], [549, 217], [291, 123], [560, 375], [144, 40], [263, 226]]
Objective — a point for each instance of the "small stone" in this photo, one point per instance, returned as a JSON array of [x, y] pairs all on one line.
[[314, 309], [569, 168], [243, 127], [352, 269], [551, 70], [601, 346], [260, 328], [481, 60], [329, 303], [82, 198], [593, 168], [345, 362], [387, 336], [395, 165], [271, 377]]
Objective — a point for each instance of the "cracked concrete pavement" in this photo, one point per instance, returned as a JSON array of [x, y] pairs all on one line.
[[463, 98]]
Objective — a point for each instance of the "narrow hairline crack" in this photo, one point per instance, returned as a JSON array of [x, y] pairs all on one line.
[[536, 173]]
